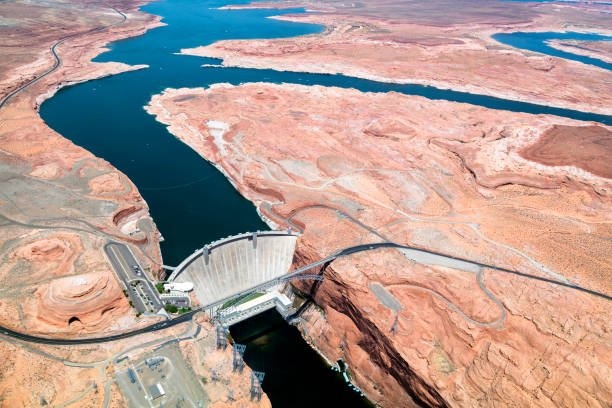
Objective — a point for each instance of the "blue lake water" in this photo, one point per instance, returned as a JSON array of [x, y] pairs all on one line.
[[537, 42], [190, 201]]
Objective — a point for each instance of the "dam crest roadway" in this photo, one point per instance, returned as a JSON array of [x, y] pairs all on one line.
[[273, 252], [240, 265]]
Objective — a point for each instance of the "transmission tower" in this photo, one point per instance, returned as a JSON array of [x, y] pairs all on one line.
[[221, 337], [238, 351], [256, 380]]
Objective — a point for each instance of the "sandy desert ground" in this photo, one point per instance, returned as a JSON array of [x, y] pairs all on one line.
[[437, 44], [524, 192]]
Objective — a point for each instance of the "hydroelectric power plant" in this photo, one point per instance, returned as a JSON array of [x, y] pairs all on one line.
[[239, 265]]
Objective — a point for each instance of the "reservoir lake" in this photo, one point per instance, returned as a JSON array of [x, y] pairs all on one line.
[[191, 202]]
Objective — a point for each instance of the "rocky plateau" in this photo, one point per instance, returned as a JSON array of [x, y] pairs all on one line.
[[595, 49], [435, 44], [523, 192]]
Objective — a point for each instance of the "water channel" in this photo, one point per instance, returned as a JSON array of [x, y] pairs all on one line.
[[191, 202], [537, 42]]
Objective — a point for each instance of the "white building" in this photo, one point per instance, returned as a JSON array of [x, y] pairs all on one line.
[[178, 286], [156, 391]]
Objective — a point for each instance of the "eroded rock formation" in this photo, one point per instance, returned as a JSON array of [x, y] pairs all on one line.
[[60, 204], [224, 387], [446, 44], [57, 204], [351, 168], [86, 302]]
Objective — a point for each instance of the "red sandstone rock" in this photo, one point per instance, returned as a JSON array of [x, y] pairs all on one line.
[[439, 45], [55, 278], [444, 176], [587, 148], [601, 50], [85, 302]]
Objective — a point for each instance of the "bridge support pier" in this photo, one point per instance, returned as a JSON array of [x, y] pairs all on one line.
[[238, 352], [256, 380]]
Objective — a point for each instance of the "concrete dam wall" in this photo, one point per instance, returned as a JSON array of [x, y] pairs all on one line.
[[228, 266]]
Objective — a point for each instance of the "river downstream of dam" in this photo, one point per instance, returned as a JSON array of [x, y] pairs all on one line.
[[191, 202]]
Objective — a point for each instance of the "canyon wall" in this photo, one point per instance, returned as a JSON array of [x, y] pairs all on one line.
[[349, 168], [60, 204]]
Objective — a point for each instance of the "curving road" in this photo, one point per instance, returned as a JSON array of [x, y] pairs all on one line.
[[434, 258], [58, 61], [357, 248], [152, 328], [294, 274], [559, 281]]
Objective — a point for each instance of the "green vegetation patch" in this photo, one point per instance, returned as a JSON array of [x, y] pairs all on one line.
[[171, 308], [441, 360], [240, 300], [160, 287], [299, 297], [184, 310]]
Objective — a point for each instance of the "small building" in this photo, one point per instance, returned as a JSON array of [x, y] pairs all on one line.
[[132, 375], [152, 363], [179, 286], [177, 298], [156, 391]]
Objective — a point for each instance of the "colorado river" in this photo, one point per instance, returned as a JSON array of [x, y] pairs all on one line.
[[191, 202]]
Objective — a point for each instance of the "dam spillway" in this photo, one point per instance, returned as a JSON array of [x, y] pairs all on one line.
[[234, 264]]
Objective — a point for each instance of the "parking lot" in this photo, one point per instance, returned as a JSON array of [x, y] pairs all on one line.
[[179, 385], [141, 290]]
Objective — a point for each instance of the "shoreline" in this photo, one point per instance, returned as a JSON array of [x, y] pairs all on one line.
[[326, 335], [236, 53], [73, 64], [445, 86], [233, 182], [559, 45]]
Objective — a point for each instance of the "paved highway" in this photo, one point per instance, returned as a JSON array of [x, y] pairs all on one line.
[[342, 253], [345, 252], [152, 328], [462, 261], [58, 61]]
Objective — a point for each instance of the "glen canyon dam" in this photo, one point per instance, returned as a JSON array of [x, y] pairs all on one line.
[[306, 204]]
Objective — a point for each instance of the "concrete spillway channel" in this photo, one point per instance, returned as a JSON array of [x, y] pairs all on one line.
[[234, 264]]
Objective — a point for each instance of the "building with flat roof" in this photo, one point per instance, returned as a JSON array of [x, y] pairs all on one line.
[[156, 391], [179, 286]]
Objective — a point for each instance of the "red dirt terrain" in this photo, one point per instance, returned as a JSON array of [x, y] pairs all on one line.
[[442, 43], [352, 168], [59, 204], [587, 147], [595, 49]]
